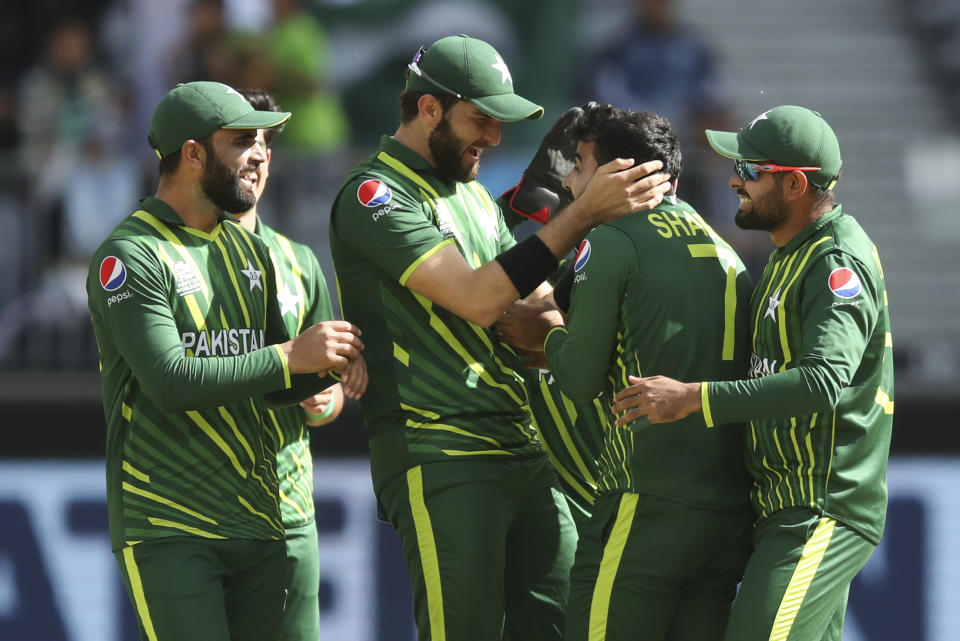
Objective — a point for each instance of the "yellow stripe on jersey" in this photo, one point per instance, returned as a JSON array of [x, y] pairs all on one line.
[[560, 469], [287, 384], [781, 309], [233, 280], [134, 472], [217, 439], [213, 235], [147, 494], [833, 445], [883, 400], [401, 168], [565, 437], [786, 466], [803, 575], [126, 411], [728, 261], [796, 450], [876, 258], [766, 295], [427, 548], [228, 418], [184, 528], [609, 564], [419, 261], [286, 499], [813, 459], [178, 245], [276, 427], [291, 255], [139, 597], [401, 355], [254, 511], [476, 453], [199, 320], [430, 424], [238, 230], [705, 403], [888, 340]]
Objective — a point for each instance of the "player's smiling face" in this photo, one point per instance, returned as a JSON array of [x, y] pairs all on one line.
[[583, 170], [458, 140], [762, 204], [231, 175]]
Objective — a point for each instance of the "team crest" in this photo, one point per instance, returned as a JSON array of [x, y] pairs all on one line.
[[373, 193], [583, 255], [113, 273], [844, 282]]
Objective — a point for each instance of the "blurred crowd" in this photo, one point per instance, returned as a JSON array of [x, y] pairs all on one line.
[[81, 78]]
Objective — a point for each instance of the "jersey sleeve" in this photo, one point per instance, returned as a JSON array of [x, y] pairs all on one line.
[[397, 234], [835, 333], [580, 356], [138, 319]]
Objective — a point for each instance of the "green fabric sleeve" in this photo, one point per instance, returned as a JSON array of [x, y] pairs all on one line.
[[835, 335], [580, 357], [146, 334]]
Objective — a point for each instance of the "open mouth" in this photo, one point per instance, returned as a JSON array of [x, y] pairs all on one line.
[[473, 152], [249, 178]]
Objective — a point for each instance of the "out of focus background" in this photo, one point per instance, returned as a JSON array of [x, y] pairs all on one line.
[[79, 81]]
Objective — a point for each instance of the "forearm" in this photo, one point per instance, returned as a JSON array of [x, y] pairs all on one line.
[[795, 392], [578, 369], [303, 386]]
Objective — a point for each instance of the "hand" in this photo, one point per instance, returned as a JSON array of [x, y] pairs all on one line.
[[618, 188], [659, 398], [355, 378], [526, 325], [325, 346], [329, 402], [534, 359]]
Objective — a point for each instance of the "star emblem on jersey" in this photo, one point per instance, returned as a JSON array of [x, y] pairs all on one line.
[[253, 275], [289, 303], [762, 116], [772, 304], [501, 66]]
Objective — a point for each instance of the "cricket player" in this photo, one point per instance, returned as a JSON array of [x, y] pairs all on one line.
[[652, 292], [191, 338], [819, 391], [425, 264]]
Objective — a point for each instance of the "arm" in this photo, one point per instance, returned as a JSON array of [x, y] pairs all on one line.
[[481, 295], [324, 407]]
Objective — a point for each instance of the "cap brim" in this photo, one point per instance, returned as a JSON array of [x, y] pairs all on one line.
[[732, 145], [259, 120], [508, 107]]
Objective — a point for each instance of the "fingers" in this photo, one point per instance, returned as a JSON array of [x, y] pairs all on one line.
[[355, 379]]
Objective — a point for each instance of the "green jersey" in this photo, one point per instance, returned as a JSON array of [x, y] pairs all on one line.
[[440, 386], [820, 394], [658, 293], [304, 300], [571, 433], [186, 323]]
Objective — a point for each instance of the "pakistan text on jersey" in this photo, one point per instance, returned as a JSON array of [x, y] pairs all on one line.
[[222, 342], [760, 367]]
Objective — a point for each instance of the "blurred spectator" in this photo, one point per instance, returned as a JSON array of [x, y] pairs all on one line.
[[205, 53], [659, 65]]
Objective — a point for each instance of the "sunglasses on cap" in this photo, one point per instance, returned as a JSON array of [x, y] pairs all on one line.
[[751, 170], [414, 66]]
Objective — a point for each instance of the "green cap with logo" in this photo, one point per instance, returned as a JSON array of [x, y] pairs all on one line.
[[471, 70], [787, 135], [194, 110]]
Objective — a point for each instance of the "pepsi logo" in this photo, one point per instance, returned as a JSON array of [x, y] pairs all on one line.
[[113, 273], [844, 282], [373, 193], [583, 255]]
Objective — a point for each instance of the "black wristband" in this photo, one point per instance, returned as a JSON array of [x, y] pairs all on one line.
[[528, 264]]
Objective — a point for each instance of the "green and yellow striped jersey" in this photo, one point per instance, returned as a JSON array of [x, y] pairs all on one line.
[[185, 323], [820, 394], [440, 386], [571, 433], [304, 300], [658, 292]]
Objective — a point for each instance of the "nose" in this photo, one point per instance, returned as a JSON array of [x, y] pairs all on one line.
[[565, 183], [735, 181], [259, 152], [491, 133]]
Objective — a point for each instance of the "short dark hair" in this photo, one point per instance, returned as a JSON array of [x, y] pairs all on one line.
[[410, 99], [623, 133], [264, 101]]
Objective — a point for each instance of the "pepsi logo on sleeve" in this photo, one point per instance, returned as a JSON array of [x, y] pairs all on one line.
[[844, 282], [583, 255], [113, 273], [373, 193]]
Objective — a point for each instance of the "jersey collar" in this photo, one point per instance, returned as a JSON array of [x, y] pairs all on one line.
[[166, 213], [811, 229], [404, 154]]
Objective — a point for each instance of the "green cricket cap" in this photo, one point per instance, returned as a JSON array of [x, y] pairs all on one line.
[[194, 110], [787, 135], [471, 70]]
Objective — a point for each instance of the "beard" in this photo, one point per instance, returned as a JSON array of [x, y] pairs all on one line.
[[766, 213], [221, 185], [447, 149]]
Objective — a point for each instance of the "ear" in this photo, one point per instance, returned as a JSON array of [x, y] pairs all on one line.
[[430, 108], [194, 154], [795, 185]]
